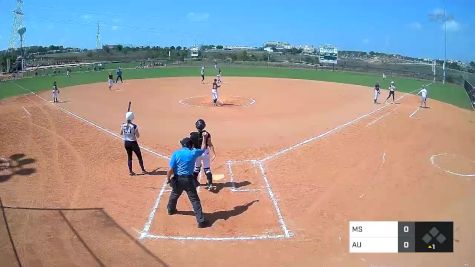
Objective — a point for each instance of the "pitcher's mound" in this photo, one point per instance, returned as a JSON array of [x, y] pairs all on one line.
[[225, 101]]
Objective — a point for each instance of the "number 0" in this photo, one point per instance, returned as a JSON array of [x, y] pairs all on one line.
[[406, 229]]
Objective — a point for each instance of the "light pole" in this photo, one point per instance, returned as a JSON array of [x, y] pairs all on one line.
[[445, 44]]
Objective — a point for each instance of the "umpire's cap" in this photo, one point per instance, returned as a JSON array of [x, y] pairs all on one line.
[[186, 142]]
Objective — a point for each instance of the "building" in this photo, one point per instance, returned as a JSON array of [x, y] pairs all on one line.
[[194, 52]]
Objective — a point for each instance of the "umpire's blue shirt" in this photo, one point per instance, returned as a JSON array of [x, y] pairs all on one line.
[[183, 161]]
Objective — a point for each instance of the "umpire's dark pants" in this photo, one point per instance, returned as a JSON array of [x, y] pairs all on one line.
[[185, 183]]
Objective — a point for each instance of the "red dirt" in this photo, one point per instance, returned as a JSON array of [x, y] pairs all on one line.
[[319, 186]]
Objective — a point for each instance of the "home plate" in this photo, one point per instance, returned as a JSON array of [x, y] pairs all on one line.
[[218, 177]]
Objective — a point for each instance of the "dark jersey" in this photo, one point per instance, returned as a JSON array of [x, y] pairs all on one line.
[[111, 77], [197, 139]]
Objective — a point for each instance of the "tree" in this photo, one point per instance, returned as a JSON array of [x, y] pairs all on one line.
[[472, 64], [120, 47], [172, 47], [219, 47], [178, 48]]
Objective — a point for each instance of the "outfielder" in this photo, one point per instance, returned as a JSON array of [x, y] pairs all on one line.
[[55, 92], [377, 92], [130, 133], [214, 92], [423, 93], [392, 88], [203, 160]]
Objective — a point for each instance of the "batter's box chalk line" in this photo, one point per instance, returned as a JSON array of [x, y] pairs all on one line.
[[259, 163]]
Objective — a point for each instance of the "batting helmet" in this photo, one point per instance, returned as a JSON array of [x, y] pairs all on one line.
[[200, 124], [129, 116]]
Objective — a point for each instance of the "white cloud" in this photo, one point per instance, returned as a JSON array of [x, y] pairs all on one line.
[[415, 26], [452, 26], [365, 41], [87, 17], [197, 17], [115, 28], [116, 20]]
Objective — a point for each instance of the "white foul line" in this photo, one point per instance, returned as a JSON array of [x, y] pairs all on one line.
[[415, 111], [92, 123], [27, 112], [336, 129]]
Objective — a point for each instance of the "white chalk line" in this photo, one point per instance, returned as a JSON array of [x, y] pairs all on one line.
[[145, 233], [415, 111], [383, 157], [432, 160], [287, 233], [93, 123], [336, 129], [27, 112], [231, 179], [151, 216], [381, 117], [206, 238]]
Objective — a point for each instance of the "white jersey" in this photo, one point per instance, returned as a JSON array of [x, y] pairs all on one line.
[[423, 92], [202, 70], [128, 131], [392, 88]]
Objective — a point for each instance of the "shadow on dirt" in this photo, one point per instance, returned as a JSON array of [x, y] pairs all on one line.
[[91, 230], [234, 185], [222, 214], [16, 164]]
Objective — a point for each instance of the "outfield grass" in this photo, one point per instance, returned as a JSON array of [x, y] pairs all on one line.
[[448, 93]]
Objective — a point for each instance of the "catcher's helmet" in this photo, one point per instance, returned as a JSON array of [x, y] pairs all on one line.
[[200, 124]]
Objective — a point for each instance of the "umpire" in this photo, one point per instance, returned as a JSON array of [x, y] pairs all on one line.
[[182, 164]]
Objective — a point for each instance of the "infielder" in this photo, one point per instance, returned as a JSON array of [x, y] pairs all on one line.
[[392, 88], [214, 92], [118, 72], [218, 81], [55, 92], [203, 160], [377, 92], [203, 74], [130, 133], [423, 93], [110, 80]]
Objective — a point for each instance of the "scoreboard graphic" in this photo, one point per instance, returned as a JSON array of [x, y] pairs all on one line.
[[399, 237]]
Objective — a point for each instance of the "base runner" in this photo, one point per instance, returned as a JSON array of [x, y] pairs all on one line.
[[423, 93], [377, 92]]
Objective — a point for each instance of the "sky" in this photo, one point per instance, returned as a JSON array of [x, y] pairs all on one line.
[[407, 27]]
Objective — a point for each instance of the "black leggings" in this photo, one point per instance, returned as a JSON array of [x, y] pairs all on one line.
[[390, 93], [133, 146]]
